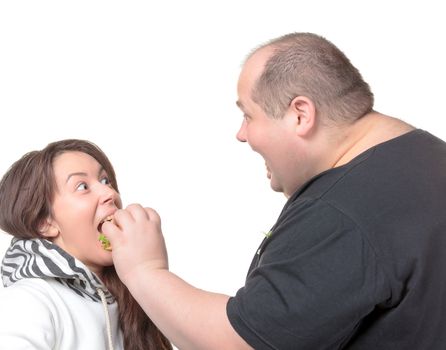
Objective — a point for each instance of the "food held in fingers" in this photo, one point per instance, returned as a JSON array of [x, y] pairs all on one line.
[[102, 238]]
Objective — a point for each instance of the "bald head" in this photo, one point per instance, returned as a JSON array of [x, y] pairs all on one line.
[[305, 64], [253, 69]]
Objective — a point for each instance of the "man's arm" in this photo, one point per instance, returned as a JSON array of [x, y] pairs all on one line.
[[191, 318]]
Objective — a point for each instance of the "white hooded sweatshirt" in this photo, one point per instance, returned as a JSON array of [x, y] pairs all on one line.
[[52, 301]]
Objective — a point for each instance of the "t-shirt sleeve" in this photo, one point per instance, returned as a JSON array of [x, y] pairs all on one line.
[[317, 279], [26, 319]]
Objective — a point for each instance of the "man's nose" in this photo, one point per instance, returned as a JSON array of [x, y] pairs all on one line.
[[241, 134]]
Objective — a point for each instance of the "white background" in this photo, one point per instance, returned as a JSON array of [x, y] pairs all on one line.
[[154, 85]]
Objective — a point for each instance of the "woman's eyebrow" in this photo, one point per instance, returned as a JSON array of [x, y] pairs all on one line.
[[81, 173], [75, 174], [102, 171]]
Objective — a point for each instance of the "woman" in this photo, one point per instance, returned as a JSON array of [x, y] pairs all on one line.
[[62, 289]]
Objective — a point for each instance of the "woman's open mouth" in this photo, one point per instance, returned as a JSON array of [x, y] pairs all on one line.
[[108, 218]]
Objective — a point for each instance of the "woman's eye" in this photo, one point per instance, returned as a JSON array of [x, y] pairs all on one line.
[[105, 181], [82, 187]]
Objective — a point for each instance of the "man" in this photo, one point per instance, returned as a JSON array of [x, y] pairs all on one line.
[[357, 257]]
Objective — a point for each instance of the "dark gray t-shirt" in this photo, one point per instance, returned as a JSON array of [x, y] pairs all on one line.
[[357, 258]]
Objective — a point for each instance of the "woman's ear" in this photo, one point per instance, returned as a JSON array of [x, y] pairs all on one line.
[[49, 228], [304, 112]]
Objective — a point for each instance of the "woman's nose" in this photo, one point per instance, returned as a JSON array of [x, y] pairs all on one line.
[[108, 195]]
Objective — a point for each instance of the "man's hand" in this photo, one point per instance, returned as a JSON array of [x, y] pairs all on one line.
[[137, 241], [190, 317]]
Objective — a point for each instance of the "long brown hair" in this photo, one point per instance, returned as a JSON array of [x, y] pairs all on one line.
[[26, 195]]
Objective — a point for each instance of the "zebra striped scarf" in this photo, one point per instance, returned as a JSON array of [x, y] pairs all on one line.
[[39, 258]]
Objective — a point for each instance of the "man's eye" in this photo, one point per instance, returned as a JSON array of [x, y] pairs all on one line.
[[82, 187]]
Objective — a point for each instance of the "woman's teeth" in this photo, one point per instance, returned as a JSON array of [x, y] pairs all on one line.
[[108, 218]]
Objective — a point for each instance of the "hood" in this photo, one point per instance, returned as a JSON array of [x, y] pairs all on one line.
[[40, 258]]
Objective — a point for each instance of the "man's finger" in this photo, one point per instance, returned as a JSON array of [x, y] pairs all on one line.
[[152, 214], [137, 212], [110, 230]]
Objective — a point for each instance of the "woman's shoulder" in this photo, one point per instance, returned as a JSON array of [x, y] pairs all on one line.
[[28, 294], [27, 314], [37, 287]]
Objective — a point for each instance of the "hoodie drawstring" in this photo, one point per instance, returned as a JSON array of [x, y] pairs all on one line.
[[107, 318]]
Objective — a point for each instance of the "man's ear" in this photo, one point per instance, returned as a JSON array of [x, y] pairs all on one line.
[[49, 228], [304, 112]]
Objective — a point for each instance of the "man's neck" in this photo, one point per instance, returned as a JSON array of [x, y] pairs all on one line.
[[372, 129]]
